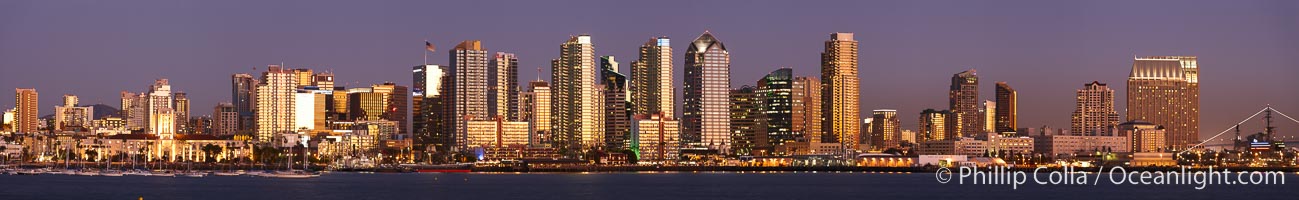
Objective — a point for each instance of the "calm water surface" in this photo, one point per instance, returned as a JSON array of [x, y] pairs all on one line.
[[622, 186]]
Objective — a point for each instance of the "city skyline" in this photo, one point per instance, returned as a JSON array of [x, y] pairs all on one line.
[[1046, 97]]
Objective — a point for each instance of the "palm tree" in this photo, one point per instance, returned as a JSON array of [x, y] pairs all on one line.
[[210, 150]]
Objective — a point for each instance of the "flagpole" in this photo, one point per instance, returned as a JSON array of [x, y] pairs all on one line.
[[425, 53]]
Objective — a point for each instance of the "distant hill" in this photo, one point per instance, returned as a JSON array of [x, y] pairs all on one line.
[[101, 111]]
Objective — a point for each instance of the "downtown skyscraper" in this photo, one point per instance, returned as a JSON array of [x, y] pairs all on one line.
[[841, 97], [503, 78], [180, 104], [885, 130], [1007, 109], [776, 104], [1165, 90], [431, 103], [469, 86], [535, 109], [652, 89], [806, 99], [243, 95], [748, 134], [706, 119], [1094, 113], [160, 110], [963, 99], [26, 112], [275, 92], [617, 107], [575, 110]]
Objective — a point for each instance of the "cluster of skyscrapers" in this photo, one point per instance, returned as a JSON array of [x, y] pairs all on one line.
[[477, 105]]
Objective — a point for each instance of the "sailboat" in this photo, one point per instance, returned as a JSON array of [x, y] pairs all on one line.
[[291, 173]]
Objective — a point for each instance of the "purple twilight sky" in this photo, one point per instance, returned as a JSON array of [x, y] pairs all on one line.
[[1248, 50]]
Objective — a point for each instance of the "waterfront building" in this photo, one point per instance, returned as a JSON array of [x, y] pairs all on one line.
[[652, 89], [841, 95], [275, 102], [617, 106], [885, 130], [1145, 136], [1055, 145], [964, 101], [26, 110], [955, 146], [1007, 109], [1094, 113], [706, 91], [503, 80], [574, 112], [657, 139], [497, 133], [998, 143], [1165, 90]]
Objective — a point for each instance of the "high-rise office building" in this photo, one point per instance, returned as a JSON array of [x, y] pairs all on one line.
[[841, 95], [324, 80], [225, 119], [504, 82], [575, 113], [394, 106], [133, 111], [1165, 90], [275, 93], [71, 117], [1007, 112], [180, 105], [706, 121], [937, 125], [617, 106], [657, 139], [469, 85], [775, 95], [243, 89], [431, 99], [652, 89], [806, 96], [536, 105], [748, 129], [26, 112], [886, 129], [1094, 113], [309, 108], [964, 101]]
